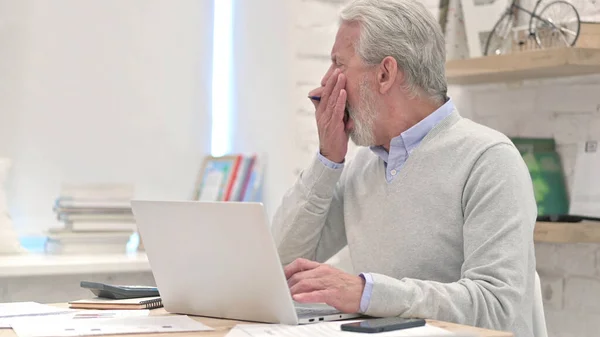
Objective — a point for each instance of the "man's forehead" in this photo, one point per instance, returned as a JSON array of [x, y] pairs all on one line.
[[347, 35]]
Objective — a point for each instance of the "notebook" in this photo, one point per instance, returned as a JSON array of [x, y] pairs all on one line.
[[106, 303]]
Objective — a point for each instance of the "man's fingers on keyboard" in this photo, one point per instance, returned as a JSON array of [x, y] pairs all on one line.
[[299, 265]]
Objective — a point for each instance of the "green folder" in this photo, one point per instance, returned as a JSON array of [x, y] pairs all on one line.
[[546, 172], [548, 182], [534, 144]]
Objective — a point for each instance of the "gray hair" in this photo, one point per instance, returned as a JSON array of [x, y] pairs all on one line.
[[406, 31]]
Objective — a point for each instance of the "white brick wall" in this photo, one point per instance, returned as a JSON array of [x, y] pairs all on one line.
[[579, 293], [567, 109], [562, 259], [314, 31]]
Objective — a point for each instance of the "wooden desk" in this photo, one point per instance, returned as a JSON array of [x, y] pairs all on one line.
[[223, 326]]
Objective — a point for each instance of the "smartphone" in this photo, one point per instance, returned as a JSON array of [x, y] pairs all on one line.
[[383, 324]]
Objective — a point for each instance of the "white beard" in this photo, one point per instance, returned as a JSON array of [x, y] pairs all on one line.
[[364, 117]]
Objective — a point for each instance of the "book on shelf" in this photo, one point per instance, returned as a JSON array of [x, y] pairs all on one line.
[[69, 203], [235, 177], [95, 217], [100, 226], [524, 144], [68, 236], [52, 247], [60, 211], [97, 191], [95, 207], [98, 222], [63, 241]]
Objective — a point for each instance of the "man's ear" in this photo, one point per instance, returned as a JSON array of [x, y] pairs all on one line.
[[387, 74]]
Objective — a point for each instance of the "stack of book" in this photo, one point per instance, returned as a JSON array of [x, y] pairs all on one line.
[[95, 218]]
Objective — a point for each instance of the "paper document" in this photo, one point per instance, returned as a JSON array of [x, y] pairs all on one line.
[[27, 308], [10, 311], [81, 314], [585, 193], [73, 314], [326, 330], [110, 326]]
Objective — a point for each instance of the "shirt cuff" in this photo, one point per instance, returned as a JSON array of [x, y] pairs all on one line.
[[366, 295], [329, 163]]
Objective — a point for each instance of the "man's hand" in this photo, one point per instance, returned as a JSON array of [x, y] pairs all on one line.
[[333, 139], [313, 282]]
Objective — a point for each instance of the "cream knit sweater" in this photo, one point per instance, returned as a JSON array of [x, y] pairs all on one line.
[[450, 238]]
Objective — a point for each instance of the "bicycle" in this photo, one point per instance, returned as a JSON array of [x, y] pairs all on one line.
[[558, 22]]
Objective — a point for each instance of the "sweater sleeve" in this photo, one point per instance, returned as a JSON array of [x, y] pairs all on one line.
[[499, 217], [309, 223]]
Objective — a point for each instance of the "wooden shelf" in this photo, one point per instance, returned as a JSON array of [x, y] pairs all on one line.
[[542, 63], [565, 232]]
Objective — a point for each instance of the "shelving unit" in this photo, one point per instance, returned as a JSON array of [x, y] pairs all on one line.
[[555, 62], [564, 232], [530, 65], [43, 264]]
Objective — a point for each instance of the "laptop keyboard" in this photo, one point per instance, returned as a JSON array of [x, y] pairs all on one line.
[[312, 310]]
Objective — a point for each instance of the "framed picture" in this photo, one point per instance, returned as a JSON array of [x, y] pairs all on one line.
[[212, 178], [229, 178]]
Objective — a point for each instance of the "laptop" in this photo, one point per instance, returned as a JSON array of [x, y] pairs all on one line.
[[218, 259]]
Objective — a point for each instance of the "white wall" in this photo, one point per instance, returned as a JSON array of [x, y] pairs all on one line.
[[103, 91], [262, 112], [12, 38]]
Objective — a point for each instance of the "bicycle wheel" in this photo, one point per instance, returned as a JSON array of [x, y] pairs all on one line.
[[539, 4], [500, 40], [557, 25]]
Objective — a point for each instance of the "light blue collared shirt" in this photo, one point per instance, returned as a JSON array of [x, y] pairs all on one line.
[[400, 149]]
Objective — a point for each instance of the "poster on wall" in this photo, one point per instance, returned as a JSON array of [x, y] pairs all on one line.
[[585, 196]]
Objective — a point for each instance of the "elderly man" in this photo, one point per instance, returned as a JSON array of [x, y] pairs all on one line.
[[437, 211]]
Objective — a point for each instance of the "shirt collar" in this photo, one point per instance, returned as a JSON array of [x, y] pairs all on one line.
[[412, 137]]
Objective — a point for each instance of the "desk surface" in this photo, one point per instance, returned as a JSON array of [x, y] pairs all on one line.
[[223, 326]]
